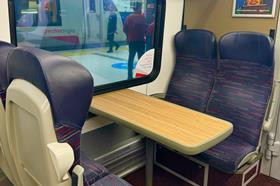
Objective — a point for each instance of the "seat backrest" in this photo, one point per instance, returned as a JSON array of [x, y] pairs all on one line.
[[5, 49], [195, 69], [47, 101], [6, 163], [244, 84], [196, 43], [247, 46]]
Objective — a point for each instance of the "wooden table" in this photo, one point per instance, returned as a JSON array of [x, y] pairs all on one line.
[[185, 130]]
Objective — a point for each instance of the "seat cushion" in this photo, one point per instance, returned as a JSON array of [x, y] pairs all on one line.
[[111, 180], [192, 82], [241, 95], [227, 155], [93, 170]]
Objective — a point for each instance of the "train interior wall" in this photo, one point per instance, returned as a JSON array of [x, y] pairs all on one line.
[[216, 16], [4, 21]]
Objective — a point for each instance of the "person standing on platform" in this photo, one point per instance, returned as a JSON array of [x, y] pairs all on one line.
[[112, 30], [151, 30], [135, 28]]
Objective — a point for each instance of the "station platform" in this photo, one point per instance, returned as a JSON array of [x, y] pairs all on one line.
[[105, 67]]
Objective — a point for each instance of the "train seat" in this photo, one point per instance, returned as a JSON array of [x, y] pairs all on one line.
[[5, 49], [195, 69], [47, 104], [241, 95], [5, 160]]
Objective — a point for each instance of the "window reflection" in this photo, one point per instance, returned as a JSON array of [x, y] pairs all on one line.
[[37, 13], [108, 37]]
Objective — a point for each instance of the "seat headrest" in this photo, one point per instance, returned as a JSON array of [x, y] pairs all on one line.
[[247, 46], [196, 43], [67, 85], [5, 49]]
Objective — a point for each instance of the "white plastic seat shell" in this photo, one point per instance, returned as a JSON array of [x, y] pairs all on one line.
[[6, 162], [30, 131]]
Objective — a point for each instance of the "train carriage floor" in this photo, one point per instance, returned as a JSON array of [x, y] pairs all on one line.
[[163, 178]]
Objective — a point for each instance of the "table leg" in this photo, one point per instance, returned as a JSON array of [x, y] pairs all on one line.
[[149, 161]]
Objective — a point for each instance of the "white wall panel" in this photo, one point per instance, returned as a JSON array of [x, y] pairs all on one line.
[[173, 23], [4, 21]]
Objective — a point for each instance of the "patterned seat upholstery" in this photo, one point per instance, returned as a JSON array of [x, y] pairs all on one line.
[[93, 170], [195, 69], [227, 155], [68, 87], [240, 95], [5, 49], [110, 180]]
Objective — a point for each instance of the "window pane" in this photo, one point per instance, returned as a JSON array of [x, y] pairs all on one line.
[[108, 37], [92, 6]]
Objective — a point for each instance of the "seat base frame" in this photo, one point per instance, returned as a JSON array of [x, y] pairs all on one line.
[[198, 173]]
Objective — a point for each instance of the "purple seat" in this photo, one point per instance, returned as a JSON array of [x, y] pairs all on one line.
[[68, 87], [196, 43], [5, 49], [195, 69], [227, 155], [110, 180], [93, 170], [240, 95]]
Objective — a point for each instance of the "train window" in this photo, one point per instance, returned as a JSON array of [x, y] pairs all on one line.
[[108, 37], [108, 5], [30, 13], [92, 6]]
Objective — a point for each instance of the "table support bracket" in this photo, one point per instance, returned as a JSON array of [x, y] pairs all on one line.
[[149, 161]]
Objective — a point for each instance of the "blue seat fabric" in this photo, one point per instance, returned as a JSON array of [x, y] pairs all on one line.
[[111, 180], [237, 90], [68, 87], [247, 46], [196, 43], [192, 82], [240, 95], [195, 69], [93, 170], [227, 155], [5, 49]]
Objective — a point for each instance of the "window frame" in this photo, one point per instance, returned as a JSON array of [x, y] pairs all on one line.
[[158, 43]]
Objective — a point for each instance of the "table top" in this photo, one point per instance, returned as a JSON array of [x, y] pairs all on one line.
[[182, 129]]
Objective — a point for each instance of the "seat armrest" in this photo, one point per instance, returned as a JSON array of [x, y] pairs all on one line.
[[62, 156], [273, 108], [78, 176]]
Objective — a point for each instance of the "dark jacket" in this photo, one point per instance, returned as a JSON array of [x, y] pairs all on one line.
[[112, 26]]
